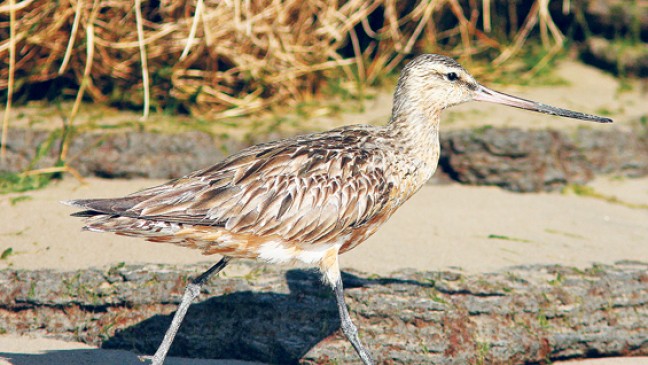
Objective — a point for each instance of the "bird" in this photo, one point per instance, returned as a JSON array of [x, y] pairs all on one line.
[[308, 198]]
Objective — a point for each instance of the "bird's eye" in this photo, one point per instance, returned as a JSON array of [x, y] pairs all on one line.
[[452, 76]]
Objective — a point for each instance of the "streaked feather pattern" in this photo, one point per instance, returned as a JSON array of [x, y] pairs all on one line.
[[309, 190]]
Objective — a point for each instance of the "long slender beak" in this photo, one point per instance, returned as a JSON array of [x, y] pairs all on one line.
[[485, 94]]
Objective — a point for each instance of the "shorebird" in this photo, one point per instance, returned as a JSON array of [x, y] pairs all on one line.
[[307, 198]]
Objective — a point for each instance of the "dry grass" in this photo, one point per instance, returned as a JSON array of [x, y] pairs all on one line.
[[229, 58]]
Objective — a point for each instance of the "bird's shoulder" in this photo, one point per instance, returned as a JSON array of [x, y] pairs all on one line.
[[339, 153]]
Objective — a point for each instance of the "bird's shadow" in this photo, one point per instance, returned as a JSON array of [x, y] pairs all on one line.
[[254, 326]]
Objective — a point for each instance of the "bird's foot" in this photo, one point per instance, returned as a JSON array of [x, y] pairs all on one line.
[[154, 360]]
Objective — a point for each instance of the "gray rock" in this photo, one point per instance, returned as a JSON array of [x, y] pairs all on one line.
[[515, 159], [543, 160], [527, 314], [117, 155], [617, 57], [614, 18]]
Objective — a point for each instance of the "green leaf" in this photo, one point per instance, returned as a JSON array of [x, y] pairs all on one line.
[[6, 253]]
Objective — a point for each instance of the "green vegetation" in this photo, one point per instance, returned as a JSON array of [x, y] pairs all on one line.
[[533, 65], [508, 238], [586, 191], [434, 296], [32, 289], [6, 253], [604, 111], [560, 278], [20, 198], [15, 233], [543, 321], [18, 183], [479, 131], [483, 349], [31, 180], [643, 120], [563, 233], [115, 269]]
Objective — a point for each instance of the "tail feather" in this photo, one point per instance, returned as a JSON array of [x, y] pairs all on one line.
[[86, 214], [130, 226], [106, 206], [72, 203], [208, 239]]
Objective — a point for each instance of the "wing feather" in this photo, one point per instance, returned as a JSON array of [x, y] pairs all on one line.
[[308, 189]]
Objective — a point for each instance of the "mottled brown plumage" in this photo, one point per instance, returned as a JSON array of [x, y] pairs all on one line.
[[306, 198], [298, 192]]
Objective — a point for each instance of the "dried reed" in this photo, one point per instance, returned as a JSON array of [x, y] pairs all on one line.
[[10, 78], [231, 58]]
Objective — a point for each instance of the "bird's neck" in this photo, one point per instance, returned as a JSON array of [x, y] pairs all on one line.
[[415, 129], [415, 122], [416, 137]]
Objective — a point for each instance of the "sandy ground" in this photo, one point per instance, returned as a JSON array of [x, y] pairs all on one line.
[[25, 350], [441, 227], [473, 229], [17, 350]]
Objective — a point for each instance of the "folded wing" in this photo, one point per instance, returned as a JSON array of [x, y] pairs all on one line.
[[310, 190]]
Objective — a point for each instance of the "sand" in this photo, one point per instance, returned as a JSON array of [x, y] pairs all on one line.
[[473, 229], [25, 350], [443, 227]]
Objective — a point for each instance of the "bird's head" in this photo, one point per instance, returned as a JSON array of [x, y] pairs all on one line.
[[430, 83]]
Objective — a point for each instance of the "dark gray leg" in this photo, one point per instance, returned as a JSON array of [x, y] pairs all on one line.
[[192, 291], [349, 329]]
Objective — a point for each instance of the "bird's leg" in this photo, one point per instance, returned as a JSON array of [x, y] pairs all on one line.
[[333, 276], [191, 292], [349, 329]]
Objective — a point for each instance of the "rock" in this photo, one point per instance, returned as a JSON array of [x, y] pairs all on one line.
[[147, 155], [116, 155], [527, 314], [619, 57], [541, 160], [515, 159], [614, 18]]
